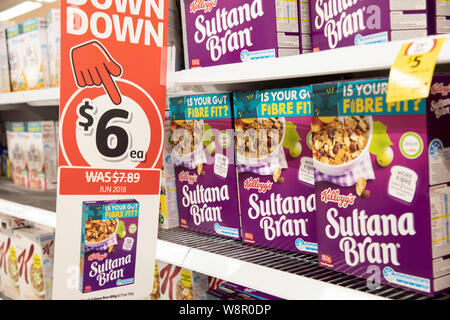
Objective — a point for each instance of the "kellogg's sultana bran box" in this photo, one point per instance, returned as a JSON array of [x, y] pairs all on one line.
[[440, 18], [275, 168], [341, 23], [203, 156], [381, 174], [229, 31]]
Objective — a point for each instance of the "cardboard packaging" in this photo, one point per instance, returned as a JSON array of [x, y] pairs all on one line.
[[5, 85], [9, 267], [54, 45], [35, 248], [230, 31], [15, 134], [339, 23], [304, 26], [379, 172], [177, 283], [203, 156], [440, 18], [28, 55], [274, 165], [168, 213], [41, 155], [108, 244], [8, 222]]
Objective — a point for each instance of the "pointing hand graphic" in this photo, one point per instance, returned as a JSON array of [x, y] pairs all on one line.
[[93, 66]]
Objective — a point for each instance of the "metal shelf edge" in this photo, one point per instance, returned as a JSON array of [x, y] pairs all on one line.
[[337, 61], [48, 96], [278, 283]]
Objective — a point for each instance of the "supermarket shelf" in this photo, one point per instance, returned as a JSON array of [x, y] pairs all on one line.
[[42, 97], [284, 274], [280, 273], [35, 206], [329, 62]]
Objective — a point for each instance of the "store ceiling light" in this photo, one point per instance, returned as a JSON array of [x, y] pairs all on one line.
[[19, 10]]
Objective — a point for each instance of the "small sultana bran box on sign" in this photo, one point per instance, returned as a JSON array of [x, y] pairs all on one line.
[[381, 174], [108, 244], [34, 249], [275, 171]]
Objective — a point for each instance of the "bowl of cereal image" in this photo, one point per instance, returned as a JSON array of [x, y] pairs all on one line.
[[100, 232], [340, 143], [13, 270], [259, 139], [37, 280], [186, 139]]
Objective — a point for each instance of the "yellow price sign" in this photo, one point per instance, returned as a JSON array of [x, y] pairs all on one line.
[[412, 71]]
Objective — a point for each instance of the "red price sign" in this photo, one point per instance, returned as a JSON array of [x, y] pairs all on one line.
[[105, 134], [112, 93], [112, 106]]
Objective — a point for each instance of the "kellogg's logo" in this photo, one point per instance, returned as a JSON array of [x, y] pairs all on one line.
[[204, 5], [186, 177], [439, 87], [97, 256], [343, 201], [254, 183]]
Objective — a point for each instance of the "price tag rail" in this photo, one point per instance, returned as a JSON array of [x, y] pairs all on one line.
[[369, 60]]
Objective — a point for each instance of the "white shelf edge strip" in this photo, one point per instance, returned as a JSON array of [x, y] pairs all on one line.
[[278, 283], [341, 60], [37, 215], [41, 96], [171, 253]]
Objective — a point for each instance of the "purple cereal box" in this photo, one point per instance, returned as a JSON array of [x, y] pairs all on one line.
[[203, 155], [341, 23], [304, 26], [274, 163], [440, 18], [382, 175], [229, 31], [248, 291], [108, 244]]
